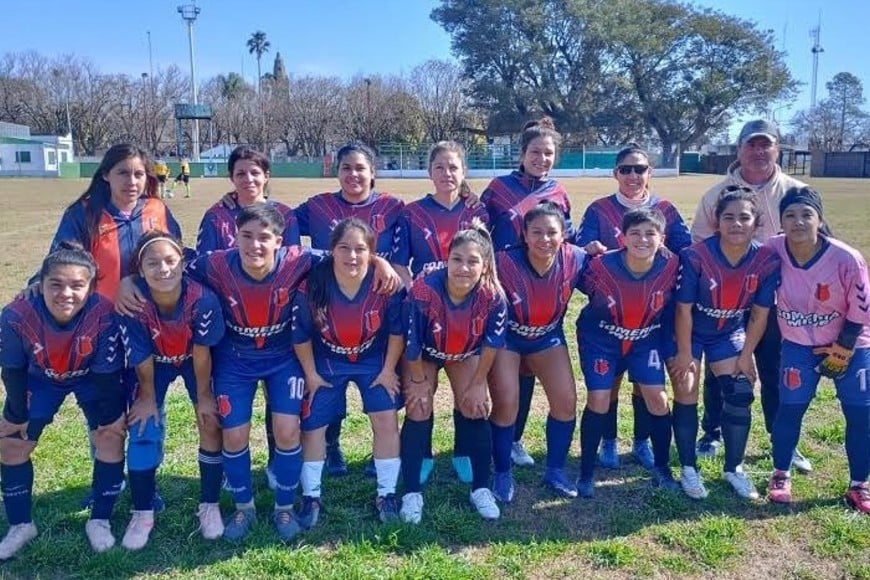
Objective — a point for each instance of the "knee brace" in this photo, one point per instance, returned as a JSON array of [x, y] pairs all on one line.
[[145, 451], [737, 397]]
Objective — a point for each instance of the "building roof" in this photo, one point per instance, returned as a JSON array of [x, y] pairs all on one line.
[[17, 141]]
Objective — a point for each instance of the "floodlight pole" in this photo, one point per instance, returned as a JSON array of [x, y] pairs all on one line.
[[189, 12]]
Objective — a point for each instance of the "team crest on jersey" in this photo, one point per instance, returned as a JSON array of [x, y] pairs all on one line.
[[378, 223], [791, 377], [823, 292], [601, 366], [751, 283], [223, 405], [477, 326], [373, 320], [85, 346], [282, 297], [657, 300]]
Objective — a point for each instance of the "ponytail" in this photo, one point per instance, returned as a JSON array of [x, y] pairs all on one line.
[[477, 233]]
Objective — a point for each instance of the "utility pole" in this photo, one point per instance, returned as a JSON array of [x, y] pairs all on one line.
[[189, 12]]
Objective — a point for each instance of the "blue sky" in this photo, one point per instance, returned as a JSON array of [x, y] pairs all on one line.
[[351, 37]]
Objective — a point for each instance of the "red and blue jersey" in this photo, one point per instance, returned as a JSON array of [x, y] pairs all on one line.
[[602, 221], [626, 312], [218, 230], [509, 197], [352, 336], [118, 235], [425, 230], [60, 355], [320, 214], [257, 313], [536, 303], [722, 293], [197, 320], [448, 332]]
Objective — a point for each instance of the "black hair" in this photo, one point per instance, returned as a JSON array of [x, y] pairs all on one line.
[[545, 208], [477, 233], [632, 148], [362, 149], [733, 193], [244, 152], [642, 215], [265, 214], [69, 254], [146, 239], [806, 195], [542, 127]]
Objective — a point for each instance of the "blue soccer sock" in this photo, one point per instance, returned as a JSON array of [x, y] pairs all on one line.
[[287, 466], [858, 440], [592, 425], [660, 436], [610, 428], [527, 391], [477, 437], [211, 474], [413, 441], [107, 480], [142, 486], [237, 467], [786, 432], [502, 440], [559, 437], [17, 485], [685, 433]]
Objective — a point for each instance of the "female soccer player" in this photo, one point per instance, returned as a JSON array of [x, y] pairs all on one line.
[[64, 339], [721, 279], [507, 199], [344, 331], [171, 337], [822, 309], [318, 216], [600, 231], [424, 231], [538, 279], [456, 319], [620, 330]]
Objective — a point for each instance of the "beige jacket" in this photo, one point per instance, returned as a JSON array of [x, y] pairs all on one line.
[[769, 196]]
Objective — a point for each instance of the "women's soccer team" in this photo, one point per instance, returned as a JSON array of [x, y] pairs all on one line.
[[387, 295]]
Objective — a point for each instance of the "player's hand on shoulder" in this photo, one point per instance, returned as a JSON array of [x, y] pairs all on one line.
[[129, 301], [594, 248]]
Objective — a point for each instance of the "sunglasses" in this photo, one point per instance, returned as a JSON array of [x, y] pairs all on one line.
[[627, 169]]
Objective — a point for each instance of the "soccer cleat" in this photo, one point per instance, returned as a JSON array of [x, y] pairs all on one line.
[[858, 497], [642, 453], [286, 525], [210, 523], [462, 467], [336, 466], [801, 463], [556, 480], [692, 484], [586, 487], [708, 446], [608, 454], [99, 534], [426, 469], [388, 508], [412, 508], [309, 512], [741, 484], [16, 538], [663, 477], [138, 530], [519, 456], [484, 502], [239, 524], [271, 480], [779, 488], [503, 486]]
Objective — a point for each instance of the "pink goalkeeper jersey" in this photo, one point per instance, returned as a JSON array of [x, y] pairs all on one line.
[[813, 301]]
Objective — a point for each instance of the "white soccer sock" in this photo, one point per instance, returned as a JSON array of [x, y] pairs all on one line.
[[388, 475], [311, 477]]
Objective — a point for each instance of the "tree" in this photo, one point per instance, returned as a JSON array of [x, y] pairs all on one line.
[[439, 88], [846, 95], [258, 45], [838, 121]]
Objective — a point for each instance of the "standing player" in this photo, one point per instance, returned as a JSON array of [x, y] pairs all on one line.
[[620, 330], [538, 279], [345, 332], [507, 199], [170, 338], [63, 339], [456, 319], [424, 231], [183, 176], [319, 215], [721, 279], [822, 310], [161, 171]]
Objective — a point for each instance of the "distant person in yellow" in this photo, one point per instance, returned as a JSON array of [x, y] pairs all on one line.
[[161, 170], [183, 176]]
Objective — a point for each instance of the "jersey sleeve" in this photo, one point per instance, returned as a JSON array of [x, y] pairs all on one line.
[[586, 280], [857, 288], [71, 228], [197, 269], [402, 241], [302, 325], [588, 230], [13, 355], [677, 235], [495, 324], [291, 235], [394, 313], [207, 239], [687, 282], [302, 219], [415, 325], [137, 340], [109, 356], [208, 323]]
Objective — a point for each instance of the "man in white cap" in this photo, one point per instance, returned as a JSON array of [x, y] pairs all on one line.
[[756, 168]]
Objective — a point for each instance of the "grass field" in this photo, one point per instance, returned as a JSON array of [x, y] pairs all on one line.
[[628, 530]]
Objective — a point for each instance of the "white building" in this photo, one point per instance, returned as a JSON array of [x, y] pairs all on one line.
[[23, 154]]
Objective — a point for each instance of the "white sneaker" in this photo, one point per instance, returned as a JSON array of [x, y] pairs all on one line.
[[16, 538], [692, 484], [484, 502], [801, 463], [412, 508], [100, 535], [138, 530], [519, 455], [210, 522], [741, 484]]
